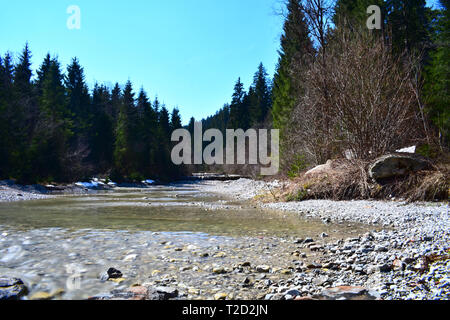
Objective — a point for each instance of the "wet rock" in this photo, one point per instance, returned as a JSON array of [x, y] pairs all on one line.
[[139, 290], [220, 296], [320, 281], [112, 273], [41, 296], [398, 265], [308, 240], [102, 297], [345, 292], [315, 247], [293, 293], [314, 265], [263, 268], [219, 270], [385, 268], [162, 293], [12, 288], [247, 282], [117, 280], [307, 298], [379, 248]]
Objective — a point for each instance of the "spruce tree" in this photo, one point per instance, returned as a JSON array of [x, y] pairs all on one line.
[[409, 24], [102, 133], [23, 113], [437, 76], [147, 134], [295, 54], [6, 113], [78, 97], [49, 147], [237, 108], [175, 119], [125, 153], [259, 96]]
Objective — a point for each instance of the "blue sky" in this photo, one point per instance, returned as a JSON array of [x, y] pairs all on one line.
[[188, 52]]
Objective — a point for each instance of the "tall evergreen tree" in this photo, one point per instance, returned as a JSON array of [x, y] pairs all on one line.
[[437, 77], [78, 97], [175, 119], [239, 113], [409, 25], [49, 147], [259, 96], [24, 110], [125, 153], [6, 114], [102, 133], [147, 133], [295, 53]]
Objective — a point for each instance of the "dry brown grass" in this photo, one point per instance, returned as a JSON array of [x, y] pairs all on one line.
[[348, 180]]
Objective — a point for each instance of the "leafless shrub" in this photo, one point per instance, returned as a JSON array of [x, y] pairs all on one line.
[[362, 100], [348, 180]]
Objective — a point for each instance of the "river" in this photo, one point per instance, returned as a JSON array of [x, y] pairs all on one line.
[[173, 235]]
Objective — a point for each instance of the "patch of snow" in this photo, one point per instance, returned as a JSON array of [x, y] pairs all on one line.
[[408, 150]]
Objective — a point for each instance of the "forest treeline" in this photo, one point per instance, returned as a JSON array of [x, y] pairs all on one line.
[[339, 90], [342, 90], [54, 129]]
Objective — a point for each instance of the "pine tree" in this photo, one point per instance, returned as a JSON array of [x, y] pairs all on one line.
[[295, 54]]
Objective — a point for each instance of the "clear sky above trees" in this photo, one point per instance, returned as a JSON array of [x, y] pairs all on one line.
[[188, 52]]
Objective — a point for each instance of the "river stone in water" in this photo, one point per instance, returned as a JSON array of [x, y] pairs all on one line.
[[12, 288]]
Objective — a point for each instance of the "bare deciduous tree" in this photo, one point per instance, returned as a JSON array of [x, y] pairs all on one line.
[[362, 100]]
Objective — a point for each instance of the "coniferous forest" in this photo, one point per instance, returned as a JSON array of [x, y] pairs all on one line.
[[338, 87], [55, 129]]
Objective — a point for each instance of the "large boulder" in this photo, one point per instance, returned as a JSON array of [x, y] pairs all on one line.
[[397, 165]]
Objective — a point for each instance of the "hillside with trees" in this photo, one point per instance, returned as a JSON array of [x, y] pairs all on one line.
[[340, 90]]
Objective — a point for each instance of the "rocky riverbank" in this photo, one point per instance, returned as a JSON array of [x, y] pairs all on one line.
[[407, 258]]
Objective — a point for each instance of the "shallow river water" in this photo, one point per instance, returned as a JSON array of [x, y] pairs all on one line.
[[171, 235]]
